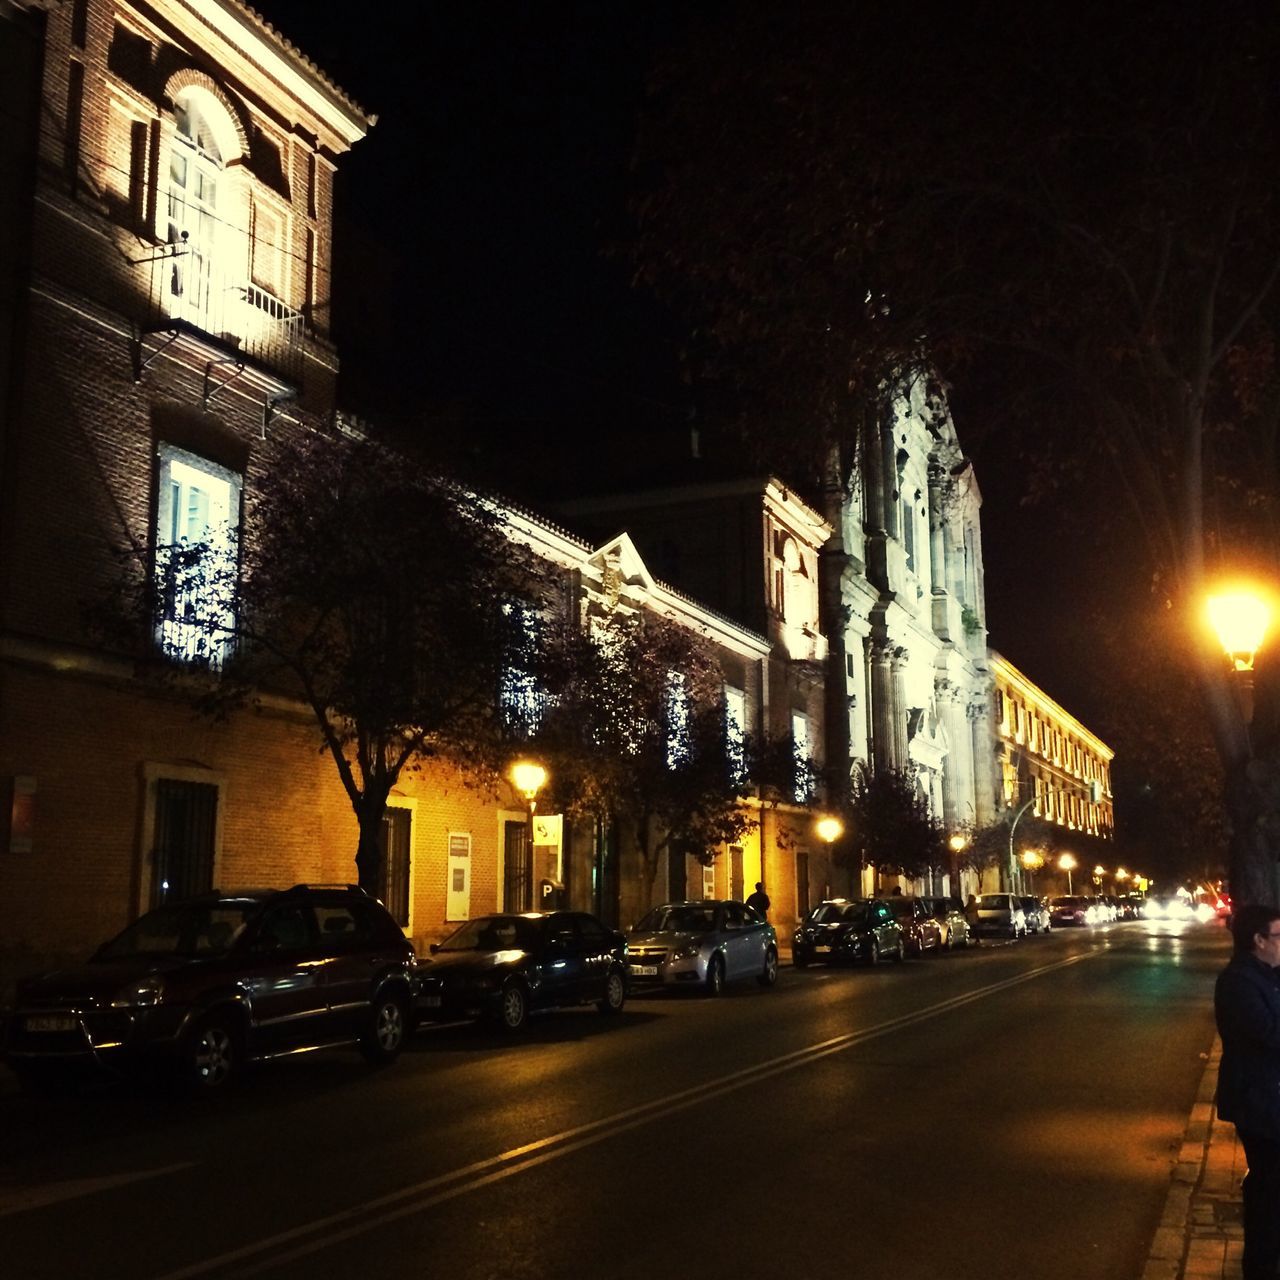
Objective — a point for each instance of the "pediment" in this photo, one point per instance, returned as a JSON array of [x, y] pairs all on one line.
[[619, 557]]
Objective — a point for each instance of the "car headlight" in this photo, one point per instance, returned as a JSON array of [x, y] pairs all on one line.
[[140, 995], [686, 952]]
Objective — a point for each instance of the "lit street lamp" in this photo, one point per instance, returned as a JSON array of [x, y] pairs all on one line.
[[1068, 864], [829, 830], [1013, 826], [1240, 619], [1032, 861], [529, 778]]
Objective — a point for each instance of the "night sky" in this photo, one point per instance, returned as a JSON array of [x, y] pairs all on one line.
[[482, 303]]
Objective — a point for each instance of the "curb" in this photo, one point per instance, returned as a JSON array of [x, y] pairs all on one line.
[[1200, 1236]]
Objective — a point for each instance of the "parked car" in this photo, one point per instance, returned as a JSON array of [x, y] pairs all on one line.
[[1001, 913], [920, 930], [841, 929], [1072, 909], [702, 945], [1037, 914], [505, 966], [208, 984], [950, 917]]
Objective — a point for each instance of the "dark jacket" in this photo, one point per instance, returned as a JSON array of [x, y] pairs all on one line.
[[1246, 1004]]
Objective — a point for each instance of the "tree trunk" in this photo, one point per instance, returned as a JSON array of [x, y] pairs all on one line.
[[369, 812]]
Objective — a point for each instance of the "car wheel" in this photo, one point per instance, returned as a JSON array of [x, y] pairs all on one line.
[[715, 976], [211, 1059], [513, 1008], [770, 974], [874, 955], [948, 942], [387, 1029], [615, 993], [901, 956], [799, 960]]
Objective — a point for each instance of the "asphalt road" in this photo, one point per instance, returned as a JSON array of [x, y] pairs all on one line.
[[1010, 1112]]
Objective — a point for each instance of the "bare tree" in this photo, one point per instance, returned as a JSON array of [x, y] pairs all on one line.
[[384, 599]]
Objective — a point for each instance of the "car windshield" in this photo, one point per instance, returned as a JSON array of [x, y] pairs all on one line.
[[494, 933], [899, 906], [1068, 902], [994, 902], [184, 929], [828, 912], [681, 918]]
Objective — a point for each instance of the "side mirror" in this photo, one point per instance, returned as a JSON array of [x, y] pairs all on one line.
[[434, 948]]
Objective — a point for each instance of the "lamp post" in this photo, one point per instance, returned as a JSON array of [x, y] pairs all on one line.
[[828, 829], [529, 778], [1032, 861], [1240, 618], [1068, 864], [1013, 826], [959, 843]]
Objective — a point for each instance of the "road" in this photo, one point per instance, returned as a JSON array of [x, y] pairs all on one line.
[[1013, 1111]]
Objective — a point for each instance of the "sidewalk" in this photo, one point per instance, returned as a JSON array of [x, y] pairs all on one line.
[[1200, 1236]]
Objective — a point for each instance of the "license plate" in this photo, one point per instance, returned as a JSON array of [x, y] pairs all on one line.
[[821, 950], [645, 970], [431, 1002], [50, 1022]]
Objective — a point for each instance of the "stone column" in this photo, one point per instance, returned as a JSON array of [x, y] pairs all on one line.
[[984, 762], [901, 752], [939, 548], [883, 706]]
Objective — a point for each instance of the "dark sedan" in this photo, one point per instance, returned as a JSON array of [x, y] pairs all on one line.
[[505, 967], [843, 930]]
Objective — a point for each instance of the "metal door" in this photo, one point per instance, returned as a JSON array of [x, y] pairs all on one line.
[[182, 857], [517, 867], [395, 840]]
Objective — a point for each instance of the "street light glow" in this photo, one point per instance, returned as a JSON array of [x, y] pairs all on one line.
[[1240, 619], [829, 829], [528, 778]]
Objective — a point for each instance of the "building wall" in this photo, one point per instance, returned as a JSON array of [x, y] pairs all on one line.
[[1046, 756], [913, 593]]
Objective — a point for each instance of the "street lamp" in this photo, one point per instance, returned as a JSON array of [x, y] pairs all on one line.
[[828, 829], [529, 778], [1013, 826], [1240, 619], [1068, 864], [1032, 861]]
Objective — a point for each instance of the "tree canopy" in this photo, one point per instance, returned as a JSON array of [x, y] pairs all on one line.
[[388, 600], [1071, 213]]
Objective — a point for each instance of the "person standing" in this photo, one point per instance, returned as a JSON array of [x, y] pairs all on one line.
[[759, 901], [1246, 1006]]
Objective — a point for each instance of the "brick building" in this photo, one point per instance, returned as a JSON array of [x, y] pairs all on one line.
[[169, 180]]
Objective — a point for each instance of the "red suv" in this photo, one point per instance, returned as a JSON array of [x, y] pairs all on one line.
[[211, 983]]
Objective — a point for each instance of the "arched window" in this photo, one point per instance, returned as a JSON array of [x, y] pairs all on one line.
[[792, 585], [195, 173]]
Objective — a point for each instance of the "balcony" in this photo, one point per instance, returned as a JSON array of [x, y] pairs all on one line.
[[222, 320]]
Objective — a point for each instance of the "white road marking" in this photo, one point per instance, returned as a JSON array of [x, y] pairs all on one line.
[[20, 1199], [314, 1236]]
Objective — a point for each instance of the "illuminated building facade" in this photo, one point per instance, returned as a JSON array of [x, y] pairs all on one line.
[[1045, 756]]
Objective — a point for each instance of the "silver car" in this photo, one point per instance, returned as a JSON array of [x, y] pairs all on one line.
[[701, 945], [1001, 913]]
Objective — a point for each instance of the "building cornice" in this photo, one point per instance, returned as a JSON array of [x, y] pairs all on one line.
[[1005, 672]]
